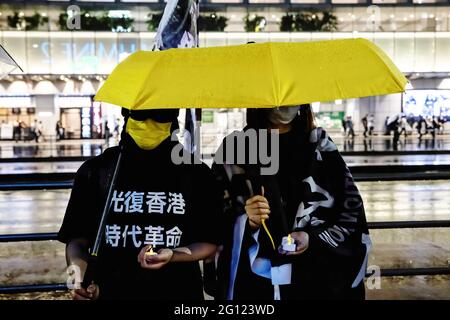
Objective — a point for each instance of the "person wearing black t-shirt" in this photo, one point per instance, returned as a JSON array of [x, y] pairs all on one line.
[[156, 204]]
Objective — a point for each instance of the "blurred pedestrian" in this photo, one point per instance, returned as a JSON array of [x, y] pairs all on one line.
[[39, 131], [16, 130], [34, 130], [387, 130], [371, 123], [107, 132], [365, 125], [349, 126], [435, 125], [403, 124], [441, 122], [59, 130], [395, 127], [410, 119], [430, 126], [23, 128], [421, 126], [116, 129]]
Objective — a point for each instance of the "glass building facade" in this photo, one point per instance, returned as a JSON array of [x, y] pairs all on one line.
[[71, 65]]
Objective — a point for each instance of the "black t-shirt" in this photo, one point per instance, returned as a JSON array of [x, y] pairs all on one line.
[[154, 202]]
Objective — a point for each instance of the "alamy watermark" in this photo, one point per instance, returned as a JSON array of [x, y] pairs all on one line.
[[73, 17], [373, 281], [73, 277], [240, 147]]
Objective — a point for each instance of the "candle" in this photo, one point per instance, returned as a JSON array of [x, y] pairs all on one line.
[[150, 252], [289, 239], [288, 244]]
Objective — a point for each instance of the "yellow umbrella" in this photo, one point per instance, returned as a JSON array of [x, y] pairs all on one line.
[[261, 75]]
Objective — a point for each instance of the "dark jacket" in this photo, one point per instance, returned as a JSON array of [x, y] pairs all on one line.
[[320, 198]]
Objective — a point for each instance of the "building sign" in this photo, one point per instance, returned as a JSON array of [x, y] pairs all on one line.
[[84, 52], [427, 103], [70, 53], [330, 120], [73, 101], [207, 116]]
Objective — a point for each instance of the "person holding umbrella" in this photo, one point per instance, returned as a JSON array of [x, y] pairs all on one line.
[[312, 214], [312, 200], [156, 218]]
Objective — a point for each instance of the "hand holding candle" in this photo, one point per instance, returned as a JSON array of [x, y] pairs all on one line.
[[295, 243], [288, 244], [150, 252], [148, 259]]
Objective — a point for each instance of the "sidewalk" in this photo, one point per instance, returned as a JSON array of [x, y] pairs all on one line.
[[52, 149], [57, 167], [51, 142]]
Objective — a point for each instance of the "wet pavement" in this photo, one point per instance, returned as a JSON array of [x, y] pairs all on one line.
[[385, 143], [406, 200], [42, 210], [66, 148], [93, 147], [18, 168], [72, 166], [404, 160]]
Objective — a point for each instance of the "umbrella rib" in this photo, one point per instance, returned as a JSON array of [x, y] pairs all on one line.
[[275, 77], [138, 99]]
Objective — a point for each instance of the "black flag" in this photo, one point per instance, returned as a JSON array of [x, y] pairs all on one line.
[[178, 29]]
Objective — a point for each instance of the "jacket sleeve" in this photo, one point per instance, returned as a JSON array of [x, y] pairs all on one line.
[[332, 212]]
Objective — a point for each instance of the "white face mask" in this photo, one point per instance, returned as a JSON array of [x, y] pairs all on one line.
[[283, 115]]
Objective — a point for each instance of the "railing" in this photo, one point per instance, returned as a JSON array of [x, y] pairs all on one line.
[[50, 148], [47, 181], [372, 225]]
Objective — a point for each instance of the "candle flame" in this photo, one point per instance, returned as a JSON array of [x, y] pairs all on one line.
[[289, 239], [150, 251]]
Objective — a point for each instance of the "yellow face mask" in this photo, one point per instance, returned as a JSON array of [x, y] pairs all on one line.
[[148, 134]]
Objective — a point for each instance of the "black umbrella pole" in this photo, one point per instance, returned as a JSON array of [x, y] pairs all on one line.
[[92, 261]]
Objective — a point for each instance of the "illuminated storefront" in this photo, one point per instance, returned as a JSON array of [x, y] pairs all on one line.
[[75, 64], [97, 53]]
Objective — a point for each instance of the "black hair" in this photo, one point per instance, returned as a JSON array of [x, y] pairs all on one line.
[[257, 119], [159, 115]]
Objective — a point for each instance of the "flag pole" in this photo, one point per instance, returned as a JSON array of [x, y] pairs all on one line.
[[88, 278]]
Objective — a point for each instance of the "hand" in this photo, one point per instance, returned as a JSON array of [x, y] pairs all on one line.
[[301, 240], [257, 209], [156, 261], [91, 293]]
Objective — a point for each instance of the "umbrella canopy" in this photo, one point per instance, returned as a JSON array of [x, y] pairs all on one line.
[[261, 75]]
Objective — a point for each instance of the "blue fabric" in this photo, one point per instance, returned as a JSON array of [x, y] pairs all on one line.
[[238, 235]]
